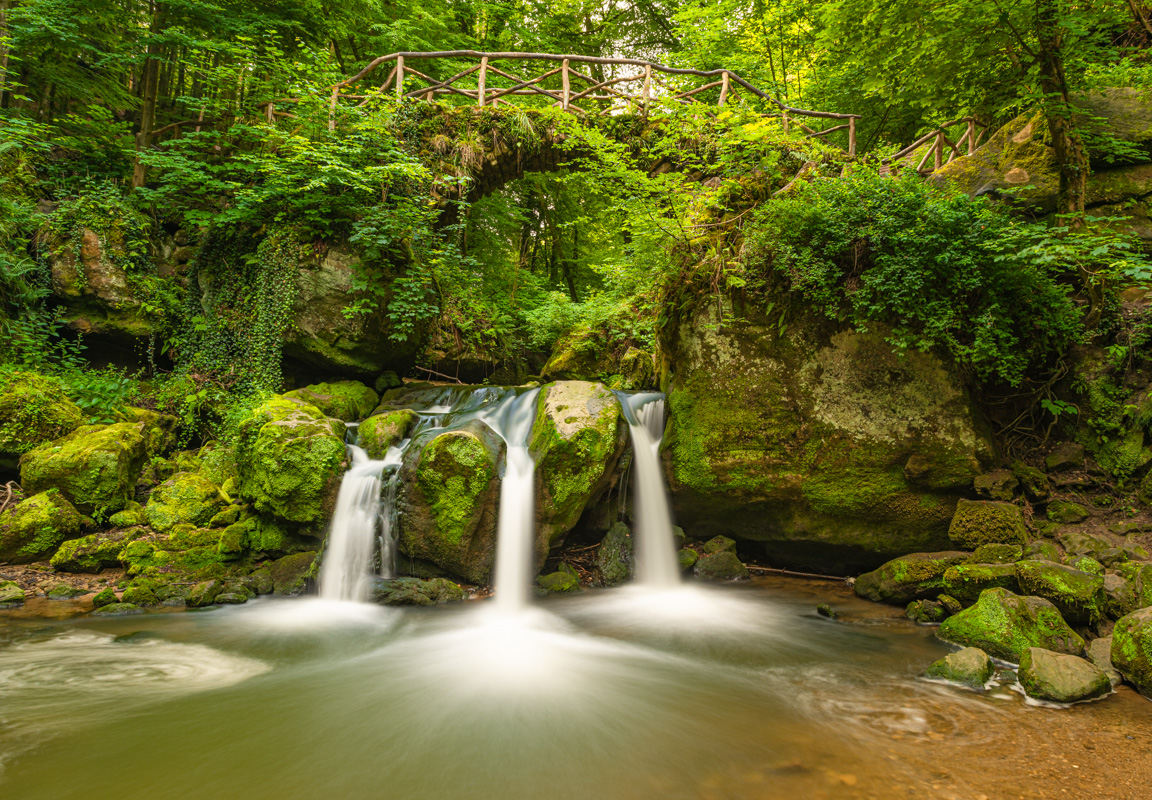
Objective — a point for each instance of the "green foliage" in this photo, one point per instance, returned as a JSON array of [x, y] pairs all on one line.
[[940, 270]]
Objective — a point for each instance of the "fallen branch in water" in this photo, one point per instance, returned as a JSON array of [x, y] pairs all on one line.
[[440, 375], [793, 574]]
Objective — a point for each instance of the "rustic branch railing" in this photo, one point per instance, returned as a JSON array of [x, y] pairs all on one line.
[[973, 132], [640, 90]]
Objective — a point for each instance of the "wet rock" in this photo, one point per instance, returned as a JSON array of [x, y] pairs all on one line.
[[1066, 456], [415, 592], [449, 499], [614, 556], [926, 612], [1079, 596], [382, 431], [1061, 678], [1005, 625], [565, 579], [720, 566], [290, 573], [912, 577], [231, 598], [997, 554], [950, 604], [95, 466], [140, 596], [63, 591], [117, 610], [105, 597], [1132, 649], [1041, 551], [965, 582], [1065, 512], [204, 593], [186, 497], [999, 484], [10, 594], [718, 544], [1033, 481], [345, 400], [34, 528], [387, 380], [826, 611], [687, 558], [290, 458], [261, 581], [577, 438], [33, 410], [969, 667], [1119, 596], [979, 522], [1099, 652]]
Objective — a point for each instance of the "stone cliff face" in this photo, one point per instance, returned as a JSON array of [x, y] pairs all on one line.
[[816, 440]]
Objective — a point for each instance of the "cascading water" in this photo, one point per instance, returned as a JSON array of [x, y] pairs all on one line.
[[657, 565], [512, 419], [348, 556]]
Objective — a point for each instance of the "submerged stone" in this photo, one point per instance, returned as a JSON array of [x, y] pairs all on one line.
[[1005, 625], [826, 611], [720, 566], [979, 522], [969, 667], [1061, 678], [415, 592], [912, 577]]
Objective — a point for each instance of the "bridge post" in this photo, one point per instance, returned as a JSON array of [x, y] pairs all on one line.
[[483, 80], [723, 88], [399, 77], [567, 85], [851, 136]]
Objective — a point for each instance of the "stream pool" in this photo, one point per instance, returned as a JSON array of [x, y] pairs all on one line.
[[700, 692]]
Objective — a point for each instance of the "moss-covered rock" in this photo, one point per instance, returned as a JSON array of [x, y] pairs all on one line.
[[290, 458], [687, 558], [1065, 456], [1041, 551], [382, 431], [1032, 481], [721, 566], [1065, 512], [32, 529], [1005, 625], [916, 576], [585, 355], [63, 591], [449, 498], [997, 554], [1079, 596], [105, 597], [1132, 649], [140, 596], [344, 400], [818, 441], [92, 553], [131, 516], [186, 497], [926, 612], [290, 574], [999, 484], [969, 667], [564, 580], [966, 582], [10, 594], [33, 410], [577, 438], [614, 556], [1061, 678], [415, 592], [117, 610], [161, 431], [1119, 596], [980, 522], [95, 466]]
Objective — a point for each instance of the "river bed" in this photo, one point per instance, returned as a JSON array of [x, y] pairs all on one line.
[[699, 692]]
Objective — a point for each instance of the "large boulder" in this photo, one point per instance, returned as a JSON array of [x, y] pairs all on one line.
[[91, 553], [415, 592], [290, 574], [979, 522], [344, 400], [577, 438], [1061, 678], [585, 354], [290, 457], [33, 410], [382, 431], [966, 582], [816, 440], [95, 466], [1078, 595], [186, 497], [32, 529], [449, 498], [912, 577], [1005, 625], [1132, 649]]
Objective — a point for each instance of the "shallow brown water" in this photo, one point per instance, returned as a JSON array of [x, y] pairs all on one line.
[[736, 693]]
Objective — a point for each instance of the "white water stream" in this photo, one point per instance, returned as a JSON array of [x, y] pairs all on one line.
[[347, 562]]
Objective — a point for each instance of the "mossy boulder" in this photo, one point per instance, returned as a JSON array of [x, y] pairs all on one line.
[[687, 558], [290, 574], [382, 431], [1065, 512], [1061, 678], [10, 594], [105, 597], [816, 440], [721, 566], [449, 499], [1119, 596], [187, 497], [925, 612], [32, 529], [564, 580], [577, 438], [140, 596], [161, 431], [980, 522], [131, 516], [614, 556], [1065, 456], [1033, 481], [1041, 551], [117, 610], [95, 466], [63, 591], [969, 667], [999, 484], [290, 457], [1132, 649], [92, 553], [1005, 625], [33, 410], [916, 576], [415, 592], [966, 582], [1079, 596], [344, 400], [997, 554]]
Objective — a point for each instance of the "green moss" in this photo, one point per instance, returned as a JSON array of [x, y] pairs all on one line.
[[32, 529], [912, 577], [614, 556], [105, 597], [1005, 625], [965, 582], [187, 497], [454, 472], [345, 400], [91, 553], [33, 410], [380, 432], [979, 522], [969, 667], [1079, 596], [1132, 649], [563, 580], [1064, 512]]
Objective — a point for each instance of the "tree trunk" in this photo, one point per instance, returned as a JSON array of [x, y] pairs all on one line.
[[150, 84]]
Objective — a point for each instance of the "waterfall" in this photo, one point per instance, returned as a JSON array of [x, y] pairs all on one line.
[[348, 556], [512, 418], [657, 565]]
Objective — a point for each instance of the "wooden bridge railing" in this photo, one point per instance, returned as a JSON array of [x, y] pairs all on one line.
[[973, 132], [646, 84]]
